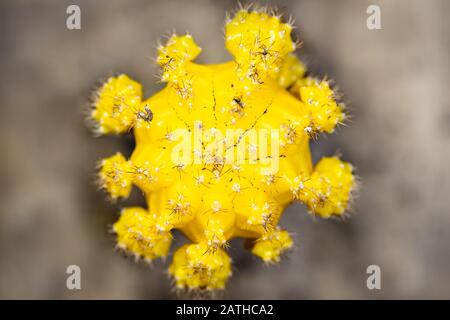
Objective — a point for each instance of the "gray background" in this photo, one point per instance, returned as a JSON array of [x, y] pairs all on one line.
[[395, 81]]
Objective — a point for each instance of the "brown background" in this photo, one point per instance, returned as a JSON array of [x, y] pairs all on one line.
[[395, 81]]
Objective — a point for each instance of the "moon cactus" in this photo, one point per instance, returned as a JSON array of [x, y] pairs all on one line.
[[221, 150]]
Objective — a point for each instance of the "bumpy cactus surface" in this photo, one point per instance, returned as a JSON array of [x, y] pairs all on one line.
[[221, 150]]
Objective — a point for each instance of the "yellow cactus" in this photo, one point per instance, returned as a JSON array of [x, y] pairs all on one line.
[[222, 150]]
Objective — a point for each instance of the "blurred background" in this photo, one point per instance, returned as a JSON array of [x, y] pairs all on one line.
[[394, 80]]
